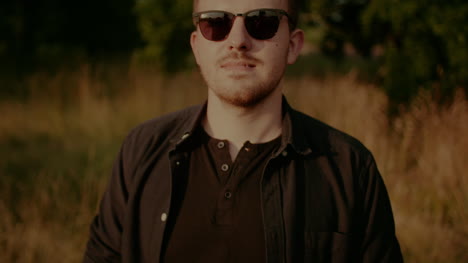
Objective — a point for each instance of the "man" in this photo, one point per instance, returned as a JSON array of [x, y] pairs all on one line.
[[243, 178]]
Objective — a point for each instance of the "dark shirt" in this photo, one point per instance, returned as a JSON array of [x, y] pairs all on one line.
[[220, 217], [322, 197]]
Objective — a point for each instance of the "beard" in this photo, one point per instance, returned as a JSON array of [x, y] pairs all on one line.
[[243, 90], [244, 95]]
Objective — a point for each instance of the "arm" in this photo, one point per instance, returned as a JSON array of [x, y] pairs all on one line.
[[380, 243], [106, 229]]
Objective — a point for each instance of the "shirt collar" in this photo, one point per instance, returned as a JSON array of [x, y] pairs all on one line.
[[293, 131]]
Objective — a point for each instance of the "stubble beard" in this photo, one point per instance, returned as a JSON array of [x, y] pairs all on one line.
[[242, 93]]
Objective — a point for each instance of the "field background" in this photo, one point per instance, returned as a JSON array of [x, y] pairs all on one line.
[[76, 76], [56, 155]]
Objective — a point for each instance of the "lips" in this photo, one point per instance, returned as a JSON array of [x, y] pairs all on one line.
[[238, 65]]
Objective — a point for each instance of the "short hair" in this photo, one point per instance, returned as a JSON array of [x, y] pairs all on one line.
[[292, 11]]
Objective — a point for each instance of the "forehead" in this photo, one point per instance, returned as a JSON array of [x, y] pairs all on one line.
[[238, 6]]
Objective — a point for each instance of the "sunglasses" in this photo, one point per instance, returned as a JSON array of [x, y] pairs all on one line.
[[261, 24]]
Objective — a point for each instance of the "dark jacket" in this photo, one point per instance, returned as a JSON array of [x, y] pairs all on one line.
[[323, 199]]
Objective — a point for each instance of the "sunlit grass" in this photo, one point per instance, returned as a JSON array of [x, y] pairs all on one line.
[[56, 152]]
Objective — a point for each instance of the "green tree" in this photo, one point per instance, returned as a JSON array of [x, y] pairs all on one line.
[[165, 26], [341, 20], [424, 41], [52, 29], [426, 45], [51, 34]]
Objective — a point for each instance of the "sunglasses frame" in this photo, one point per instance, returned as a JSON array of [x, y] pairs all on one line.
[[280, 12]]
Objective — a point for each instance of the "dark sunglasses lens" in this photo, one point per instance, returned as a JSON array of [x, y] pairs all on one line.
[[215, 26], [262, 24]]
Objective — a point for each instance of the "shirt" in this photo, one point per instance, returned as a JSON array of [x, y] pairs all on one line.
[[219, 219]]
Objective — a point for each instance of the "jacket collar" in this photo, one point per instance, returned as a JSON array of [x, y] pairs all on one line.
[[191, 119], [293, 132]]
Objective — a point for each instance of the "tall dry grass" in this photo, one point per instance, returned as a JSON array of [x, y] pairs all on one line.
[[56, 152], [422, 155]]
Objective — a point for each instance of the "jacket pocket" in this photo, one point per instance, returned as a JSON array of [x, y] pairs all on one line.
[[331, 247]]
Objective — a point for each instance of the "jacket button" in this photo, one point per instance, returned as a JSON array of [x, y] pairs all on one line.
[[163, 217], [177, 163], [185, 136], [284, 153]]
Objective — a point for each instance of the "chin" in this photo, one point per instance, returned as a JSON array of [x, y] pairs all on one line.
[[247, 98]]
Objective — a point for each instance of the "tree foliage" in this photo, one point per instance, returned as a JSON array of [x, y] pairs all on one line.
[[341, 22], [45, 35], [44, 30], [165, 26], [426, 44], [424, 41]]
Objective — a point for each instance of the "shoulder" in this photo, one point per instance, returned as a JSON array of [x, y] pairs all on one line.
[[325, 137], [167, 126], [341, 150], [157, 136], [347, 159]]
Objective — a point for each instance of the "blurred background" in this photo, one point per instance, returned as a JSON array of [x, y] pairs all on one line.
[[75, 77]]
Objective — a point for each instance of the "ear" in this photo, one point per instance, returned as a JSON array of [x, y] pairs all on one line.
[[193, 43], [296, 41]]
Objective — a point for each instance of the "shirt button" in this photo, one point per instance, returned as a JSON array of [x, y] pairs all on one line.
[[227, 195], [284, 153], [220, 145], [177, 163], [163, 217], [224, 167]]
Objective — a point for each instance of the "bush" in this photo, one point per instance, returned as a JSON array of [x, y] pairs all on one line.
[[424, 43]]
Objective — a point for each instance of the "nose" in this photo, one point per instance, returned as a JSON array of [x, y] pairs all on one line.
[[239, 38]]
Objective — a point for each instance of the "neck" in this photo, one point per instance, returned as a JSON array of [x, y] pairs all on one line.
[[258, 124]]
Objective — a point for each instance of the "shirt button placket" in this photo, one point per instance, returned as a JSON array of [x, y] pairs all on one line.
[[224, 167], [221, 145]]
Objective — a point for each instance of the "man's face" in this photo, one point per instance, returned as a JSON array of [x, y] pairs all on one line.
[[241, 70]]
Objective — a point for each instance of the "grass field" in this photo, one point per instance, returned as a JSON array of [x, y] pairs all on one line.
[[56, 152]]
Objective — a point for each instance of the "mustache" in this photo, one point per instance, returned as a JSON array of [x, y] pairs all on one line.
[[239, 56]]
